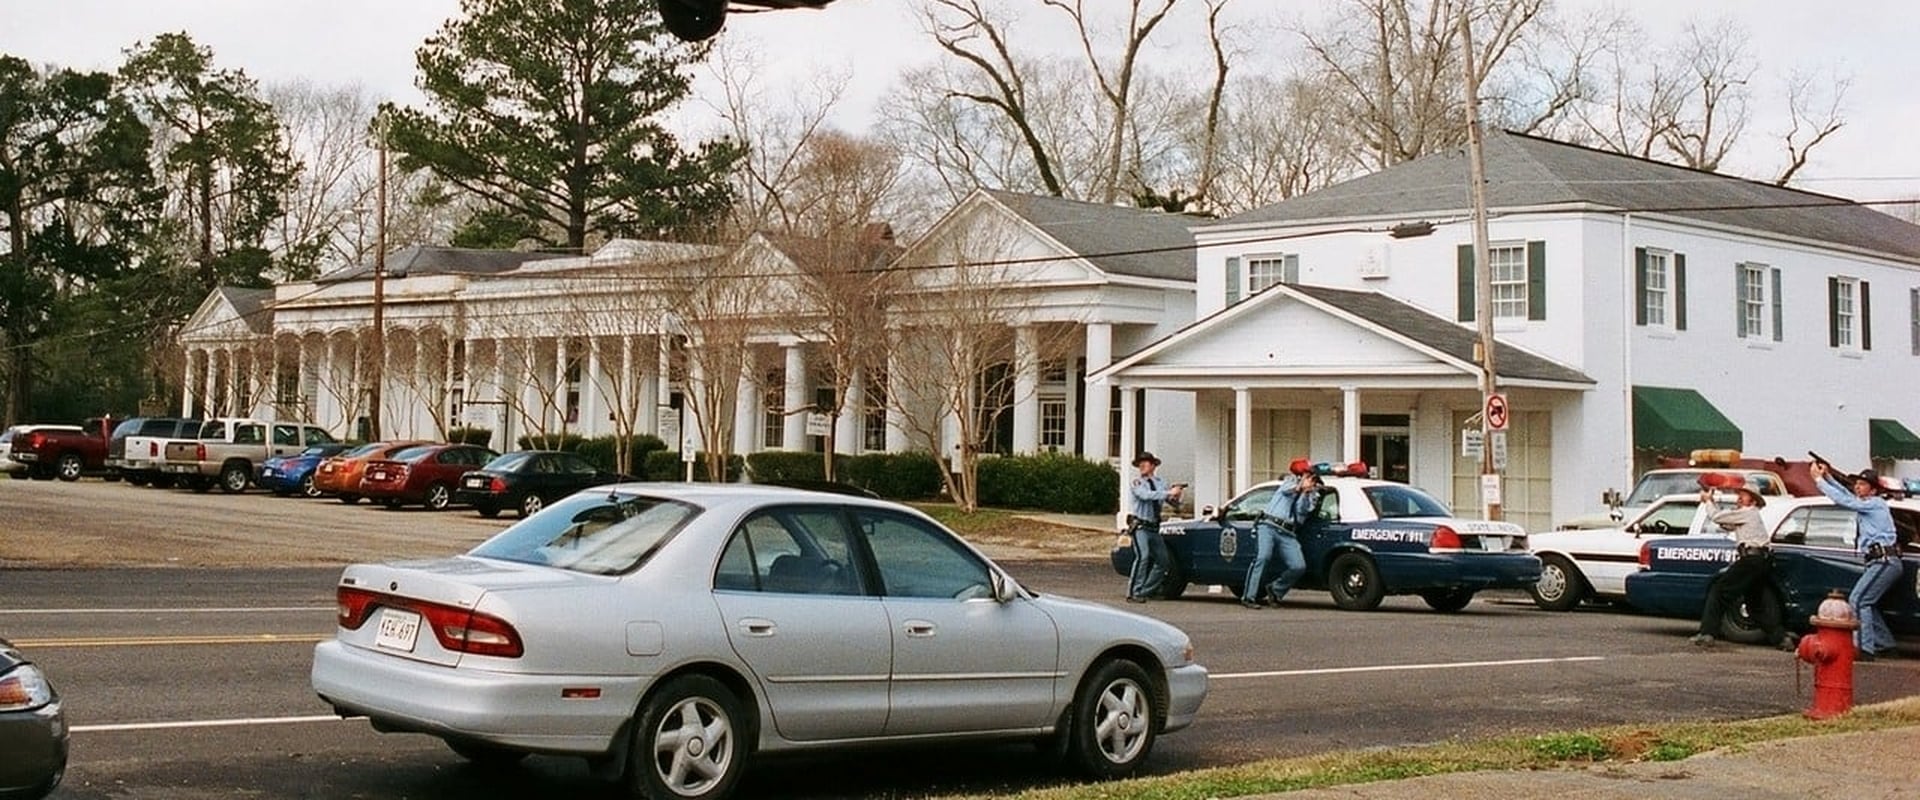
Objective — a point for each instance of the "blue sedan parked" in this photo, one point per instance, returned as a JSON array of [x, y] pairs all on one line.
[[1369, 539], [1813, 554], [284, 475]]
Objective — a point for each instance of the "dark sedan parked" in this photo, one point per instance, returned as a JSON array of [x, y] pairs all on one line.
[[424, 474], [33, 729], [528, 480]]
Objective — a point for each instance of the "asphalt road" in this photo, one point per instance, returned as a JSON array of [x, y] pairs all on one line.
[[192, 682]]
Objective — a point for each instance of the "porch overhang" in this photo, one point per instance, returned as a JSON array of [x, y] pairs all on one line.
[[1678, 420], [1887, 438]]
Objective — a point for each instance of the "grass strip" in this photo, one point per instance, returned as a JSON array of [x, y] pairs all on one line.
[[1609, 745]]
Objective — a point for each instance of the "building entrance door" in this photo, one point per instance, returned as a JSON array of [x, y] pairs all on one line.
[[1386, 446]]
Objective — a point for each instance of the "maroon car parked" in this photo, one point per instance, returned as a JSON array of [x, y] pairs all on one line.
[[424, 474]]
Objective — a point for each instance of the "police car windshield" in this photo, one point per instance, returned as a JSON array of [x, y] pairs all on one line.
[[1655, 485], [1390, 502]]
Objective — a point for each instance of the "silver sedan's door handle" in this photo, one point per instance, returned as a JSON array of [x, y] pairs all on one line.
[[754, 626], [919, 628]]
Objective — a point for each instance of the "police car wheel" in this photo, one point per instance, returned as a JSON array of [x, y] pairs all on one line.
[[1354, 583], [1447, 601], [1561, 586], [1174, 585], [1113, 722], [1747, 622]]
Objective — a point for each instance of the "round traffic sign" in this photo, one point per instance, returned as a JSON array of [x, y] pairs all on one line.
[[1497, 412]]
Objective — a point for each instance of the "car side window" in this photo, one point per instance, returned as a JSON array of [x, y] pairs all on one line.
[[318, 435], [1906, 529], [1818, 527], [917, 559], [790, 551], [1329, 506], [286, 434], [577, 465], [1674, 517], [1247, 507], [249, 434]]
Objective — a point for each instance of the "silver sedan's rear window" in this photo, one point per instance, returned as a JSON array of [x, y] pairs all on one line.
[[599, 532]]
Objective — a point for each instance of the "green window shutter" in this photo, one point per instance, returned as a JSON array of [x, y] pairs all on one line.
[[1466, 283], [1740, 300], [1233, 280], [1913, 316], [1639, 286], [1536, 280], [1833, 312], [1866, 316], [1779, 323], [1290, 270], [1679, 291]]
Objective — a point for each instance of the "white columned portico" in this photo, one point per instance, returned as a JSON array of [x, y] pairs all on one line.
[[1128, 447], [793, 423], [1026, 389], [1349, 424], [1094, 414], [1242, 439]]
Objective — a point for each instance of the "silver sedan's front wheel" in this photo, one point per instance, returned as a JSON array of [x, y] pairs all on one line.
[[691, 741], [1113, 721]]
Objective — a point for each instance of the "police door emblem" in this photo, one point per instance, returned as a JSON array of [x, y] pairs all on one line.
[[1229, 542]]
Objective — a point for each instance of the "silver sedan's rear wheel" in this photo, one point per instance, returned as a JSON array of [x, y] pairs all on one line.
[[1113, 720], [690, 742]]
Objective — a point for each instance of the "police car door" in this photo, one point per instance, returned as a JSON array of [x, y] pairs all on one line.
[[1814, 551], [1325, 531], [1229, 551]]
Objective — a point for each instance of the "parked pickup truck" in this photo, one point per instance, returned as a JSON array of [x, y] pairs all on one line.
[[138, 448], [65, 453], [229, 448]]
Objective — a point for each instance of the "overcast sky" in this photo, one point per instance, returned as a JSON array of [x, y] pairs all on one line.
[[371, 42]]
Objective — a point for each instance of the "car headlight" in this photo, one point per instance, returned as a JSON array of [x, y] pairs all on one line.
[[24, 689]]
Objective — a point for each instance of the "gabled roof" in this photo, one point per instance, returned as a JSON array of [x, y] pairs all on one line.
[[1120, 240], [1527, 171], [1411, 325], [818, 253], [250, 305], [426, 260]]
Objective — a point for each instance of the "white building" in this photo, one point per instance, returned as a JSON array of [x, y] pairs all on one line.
[[1641, 309]]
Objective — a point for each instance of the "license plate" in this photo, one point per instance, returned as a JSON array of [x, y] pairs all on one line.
[[378, 475], [398, 629], [267, 471], [1493, 544], [476, 483]]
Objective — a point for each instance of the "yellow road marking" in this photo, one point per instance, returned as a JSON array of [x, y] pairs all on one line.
[[150, 641]]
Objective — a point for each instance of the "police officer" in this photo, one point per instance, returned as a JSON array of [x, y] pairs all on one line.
[[1878, 546], [1749, 567], [1278, 531], [1150, 557]]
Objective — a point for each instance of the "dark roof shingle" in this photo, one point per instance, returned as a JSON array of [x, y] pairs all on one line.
[[1419, 325], [1121, 240]]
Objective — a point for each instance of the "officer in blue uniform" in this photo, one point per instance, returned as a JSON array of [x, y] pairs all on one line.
[[1879, 546], [1278, 531], [1150, 557]]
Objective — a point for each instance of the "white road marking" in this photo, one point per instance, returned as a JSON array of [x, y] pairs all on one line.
[[1227, 676], [245, 610], [203, 723], [160, 641]]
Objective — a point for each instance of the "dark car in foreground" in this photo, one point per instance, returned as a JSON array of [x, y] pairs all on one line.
[[1813, 554], [528, 480], [286, 475], [1368, 540], [426, 474], [33, 729], [672, 634]]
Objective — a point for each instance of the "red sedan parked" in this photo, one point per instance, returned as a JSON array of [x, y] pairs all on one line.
[[423, 474]]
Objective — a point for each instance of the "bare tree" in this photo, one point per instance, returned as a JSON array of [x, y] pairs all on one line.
[[716, 308], [777, 134], [1814, 110], [1281, 138], [1718, 70], [965, 30], [1117, 88]]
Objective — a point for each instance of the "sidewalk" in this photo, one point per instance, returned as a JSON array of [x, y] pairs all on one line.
[[1854, 766]]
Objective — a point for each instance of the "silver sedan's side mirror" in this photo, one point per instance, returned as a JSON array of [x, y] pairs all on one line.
[[1004, 590]]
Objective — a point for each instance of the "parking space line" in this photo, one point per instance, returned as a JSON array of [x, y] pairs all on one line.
[[238, 610], [150, 641], [203, 723], [1518, 662]]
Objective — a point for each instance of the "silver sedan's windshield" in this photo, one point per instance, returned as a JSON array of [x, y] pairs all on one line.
[[600, 532]]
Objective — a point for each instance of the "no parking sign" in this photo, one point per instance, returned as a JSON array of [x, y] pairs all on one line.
[[1496, 412]]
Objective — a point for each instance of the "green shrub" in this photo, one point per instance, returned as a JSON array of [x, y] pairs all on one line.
[[895, 476], [1050, 482], [600, 451], [665, 465], [479, 436], [779, 465], [551, 441]]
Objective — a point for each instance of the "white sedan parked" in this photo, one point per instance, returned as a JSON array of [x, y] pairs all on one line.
[[668, 633], [1577, 565]]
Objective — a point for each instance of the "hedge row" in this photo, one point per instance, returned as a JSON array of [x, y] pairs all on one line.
[[896, 476], [1050, 482], [665, 465]]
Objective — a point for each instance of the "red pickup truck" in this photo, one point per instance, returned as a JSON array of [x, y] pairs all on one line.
[[65, 454]]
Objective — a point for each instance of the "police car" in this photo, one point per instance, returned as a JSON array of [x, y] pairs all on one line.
[[1813, 554], [1577, 565], [1369, 539]]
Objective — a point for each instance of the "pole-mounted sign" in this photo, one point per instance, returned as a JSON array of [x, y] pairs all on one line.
[[1496, 411]]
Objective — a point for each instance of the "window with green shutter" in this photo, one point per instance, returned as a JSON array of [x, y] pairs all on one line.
[[1519, 272], [1233, 280]]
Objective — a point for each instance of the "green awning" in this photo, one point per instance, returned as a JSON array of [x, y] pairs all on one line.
[[1887, 438], [1679, 421]]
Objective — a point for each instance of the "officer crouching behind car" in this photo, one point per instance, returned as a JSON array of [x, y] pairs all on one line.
[[1278, 530], [1150, 556], [1752, 558]]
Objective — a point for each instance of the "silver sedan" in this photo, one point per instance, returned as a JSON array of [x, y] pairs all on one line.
[[670, 632], [33, 729]]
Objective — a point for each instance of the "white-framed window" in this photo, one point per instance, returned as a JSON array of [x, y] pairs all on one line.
[[1846, 313], [1263, 271], [1658, 297], [1753, 300], [1509, 268], [1053, 423]]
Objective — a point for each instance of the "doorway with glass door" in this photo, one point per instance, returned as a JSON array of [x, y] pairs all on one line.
[[1386, 446]]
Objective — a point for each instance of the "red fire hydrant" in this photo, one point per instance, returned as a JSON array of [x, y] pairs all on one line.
[[1829, 648]]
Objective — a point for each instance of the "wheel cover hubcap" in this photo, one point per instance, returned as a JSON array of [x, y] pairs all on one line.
[[1118, 721], [1553, 583], [693, 746]]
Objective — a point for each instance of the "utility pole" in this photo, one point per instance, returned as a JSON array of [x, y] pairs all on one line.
[[378, 372], [1482, 267]]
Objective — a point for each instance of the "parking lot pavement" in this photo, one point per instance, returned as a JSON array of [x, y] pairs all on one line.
[[1860, 765]]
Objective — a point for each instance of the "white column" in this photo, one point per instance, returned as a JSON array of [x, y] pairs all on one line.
[[206, 386], [793, 426], [1094, 414], [897, 439], [1128, 448], [848, 430], [1026, 390], [593, 421], [1349, 424], [746, 419], [186, 383], [1242, 439], [273, 378], [560, 383], [646, 389], [663, 383]]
